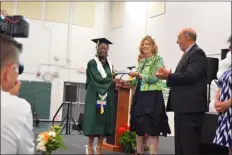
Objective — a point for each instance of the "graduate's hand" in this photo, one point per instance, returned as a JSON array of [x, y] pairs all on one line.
[[113, 74], [15, 89]]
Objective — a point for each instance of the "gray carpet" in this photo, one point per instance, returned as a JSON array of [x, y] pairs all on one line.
[[76, 142]]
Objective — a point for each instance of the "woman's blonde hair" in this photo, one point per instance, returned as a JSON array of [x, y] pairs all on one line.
[[152, 44]]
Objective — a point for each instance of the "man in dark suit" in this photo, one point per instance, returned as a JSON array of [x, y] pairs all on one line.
[[188, 93]]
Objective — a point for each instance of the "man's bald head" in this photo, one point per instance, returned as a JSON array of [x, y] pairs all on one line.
[[186, 38], [190, 34]]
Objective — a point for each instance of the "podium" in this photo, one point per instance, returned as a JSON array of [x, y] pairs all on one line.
[[122, 99]]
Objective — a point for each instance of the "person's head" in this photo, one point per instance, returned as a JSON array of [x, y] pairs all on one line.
[[102, 47], [9, 62], [102, 50], [186, 38], [140, 56], [148, 46], [230, 43]]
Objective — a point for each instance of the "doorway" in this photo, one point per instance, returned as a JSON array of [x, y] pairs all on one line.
[[74, 93]]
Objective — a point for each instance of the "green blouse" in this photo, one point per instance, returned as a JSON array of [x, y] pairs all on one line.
[[147, 68]]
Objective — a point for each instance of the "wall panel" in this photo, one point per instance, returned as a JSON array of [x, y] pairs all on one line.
[[156, 8], [30, 9], [8, 7], [117, 14], [84, 14], [57, 12]]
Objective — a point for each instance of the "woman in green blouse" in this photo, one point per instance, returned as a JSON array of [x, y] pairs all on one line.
[[148, 115]]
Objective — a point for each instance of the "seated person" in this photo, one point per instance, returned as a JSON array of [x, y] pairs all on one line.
[[17, 135]]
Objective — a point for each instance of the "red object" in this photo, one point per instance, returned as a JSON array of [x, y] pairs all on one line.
[[4, 13], [38, 74], [125, 125], [122, 130]]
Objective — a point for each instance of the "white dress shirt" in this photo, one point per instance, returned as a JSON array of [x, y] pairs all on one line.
[[17, 136], [188, 49], [223, 66]]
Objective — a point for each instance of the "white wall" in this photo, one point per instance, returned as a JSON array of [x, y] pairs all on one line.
[[211, 20], [126, 39], [82, 49]]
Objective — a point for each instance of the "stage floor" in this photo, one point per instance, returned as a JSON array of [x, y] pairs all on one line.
[[76, 142]]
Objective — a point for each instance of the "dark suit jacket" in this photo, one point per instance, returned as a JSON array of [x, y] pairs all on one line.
[[188, 93]]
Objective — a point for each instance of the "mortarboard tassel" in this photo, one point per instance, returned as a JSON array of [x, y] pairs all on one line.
[[102, 110], [98, 43]]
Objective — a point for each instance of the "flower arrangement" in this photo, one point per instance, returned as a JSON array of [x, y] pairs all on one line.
[[127, 139], [50, 141]]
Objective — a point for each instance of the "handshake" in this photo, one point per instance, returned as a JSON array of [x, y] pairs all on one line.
[[162, 73]]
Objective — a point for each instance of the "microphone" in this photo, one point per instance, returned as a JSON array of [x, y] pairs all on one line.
[[131, 67]]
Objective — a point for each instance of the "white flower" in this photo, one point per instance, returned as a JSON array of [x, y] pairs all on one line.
[[41, 146], [39, 139], [52, 134]]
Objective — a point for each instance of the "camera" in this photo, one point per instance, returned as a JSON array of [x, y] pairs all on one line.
[[14, 26]]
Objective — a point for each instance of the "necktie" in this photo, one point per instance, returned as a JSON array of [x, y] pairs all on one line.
[[183, 56]]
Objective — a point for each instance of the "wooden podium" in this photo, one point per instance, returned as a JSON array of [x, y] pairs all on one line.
[[122, 116]]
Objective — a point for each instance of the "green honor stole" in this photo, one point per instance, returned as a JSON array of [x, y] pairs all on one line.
[[101, 103]]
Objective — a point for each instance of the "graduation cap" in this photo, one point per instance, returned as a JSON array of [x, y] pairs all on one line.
[[98, 41]]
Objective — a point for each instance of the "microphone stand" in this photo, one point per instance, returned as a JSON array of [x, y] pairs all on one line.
[[124, 73], [67, 119]]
